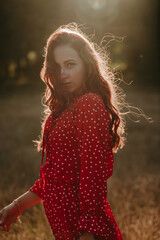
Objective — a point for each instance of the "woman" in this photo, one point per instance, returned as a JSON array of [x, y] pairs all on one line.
[[82, 128]]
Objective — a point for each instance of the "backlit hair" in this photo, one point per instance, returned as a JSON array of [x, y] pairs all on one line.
[[100, 80]]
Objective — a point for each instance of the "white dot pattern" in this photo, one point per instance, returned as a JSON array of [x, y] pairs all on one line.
[[79, 160]]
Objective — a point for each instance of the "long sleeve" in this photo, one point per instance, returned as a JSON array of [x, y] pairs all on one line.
[[92, 123], [38, 186]]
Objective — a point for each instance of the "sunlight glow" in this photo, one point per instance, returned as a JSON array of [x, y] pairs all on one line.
[[97, 4], [98, 9]]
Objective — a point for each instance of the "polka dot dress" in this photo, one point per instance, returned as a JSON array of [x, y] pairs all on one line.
[[79, 160]]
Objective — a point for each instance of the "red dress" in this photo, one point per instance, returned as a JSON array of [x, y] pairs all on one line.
[[79, 160]]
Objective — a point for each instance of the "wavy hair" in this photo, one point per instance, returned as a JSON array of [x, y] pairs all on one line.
[[101, 80]]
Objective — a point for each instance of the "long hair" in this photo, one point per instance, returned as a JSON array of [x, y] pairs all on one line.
[[100, 80]]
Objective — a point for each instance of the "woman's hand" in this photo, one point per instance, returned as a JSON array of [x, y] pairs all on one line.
[[87, 236], [10, 213], [7, 216]]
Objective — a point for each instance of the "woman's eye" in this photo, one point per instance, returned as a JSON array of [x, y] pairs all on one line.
[[70, 64]]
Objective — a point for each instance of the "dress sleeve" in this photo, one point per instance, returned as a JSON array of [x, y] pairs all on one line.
[[38, 188], [92, 124]]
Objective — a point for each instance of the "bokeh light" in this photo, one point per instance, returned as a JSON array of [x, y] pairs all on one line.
[[32, 57], [12, 69], [95, 10], [97, 4]]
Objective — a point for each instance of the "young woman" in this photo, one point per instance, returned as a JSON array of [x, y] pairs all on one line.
[[82, 127]]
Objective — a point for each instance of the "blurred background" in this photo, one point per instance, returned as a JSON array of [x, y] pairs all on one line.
[[26, 26], [133, 190]]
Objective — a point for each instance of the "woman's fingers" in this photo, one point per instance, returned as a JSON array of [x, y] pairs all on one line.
[[7, 216], [1, 227], [3, 216], [4, 227], [3, 220], [11, 219]]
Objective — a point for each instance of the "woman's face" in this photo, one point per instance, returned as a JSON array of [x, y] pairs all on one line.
[[72, 69]]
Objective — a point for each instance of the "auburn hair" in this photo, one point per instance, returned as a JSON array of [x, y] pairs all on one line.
[[101, 80]]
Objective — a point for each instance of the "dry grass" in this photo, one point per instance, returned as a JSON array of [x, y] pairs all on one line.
[[133, 190]]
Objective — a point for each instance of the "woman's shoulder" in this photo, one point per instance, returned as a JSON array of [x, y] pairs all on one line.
[[89, 102], [89, 98]]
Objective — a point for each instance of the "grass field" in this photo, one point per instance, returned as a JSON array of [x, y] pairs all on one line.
[[133, 190]]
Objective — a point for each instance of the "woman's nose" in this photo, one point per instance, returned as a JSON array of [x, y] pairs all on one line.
[[63, 72]]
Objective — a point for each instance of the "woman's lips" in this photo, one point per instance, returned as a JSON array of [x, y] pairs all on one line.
[[67, 84]]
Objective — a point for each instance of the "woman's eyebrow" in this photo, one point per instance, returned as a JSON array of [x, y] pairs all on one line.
[[70, 60], [66, 61]]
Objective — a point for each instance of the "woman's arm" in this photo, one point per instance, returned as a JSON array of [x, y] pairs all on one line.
[[27, 200], [96, 158], [10, 213]]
